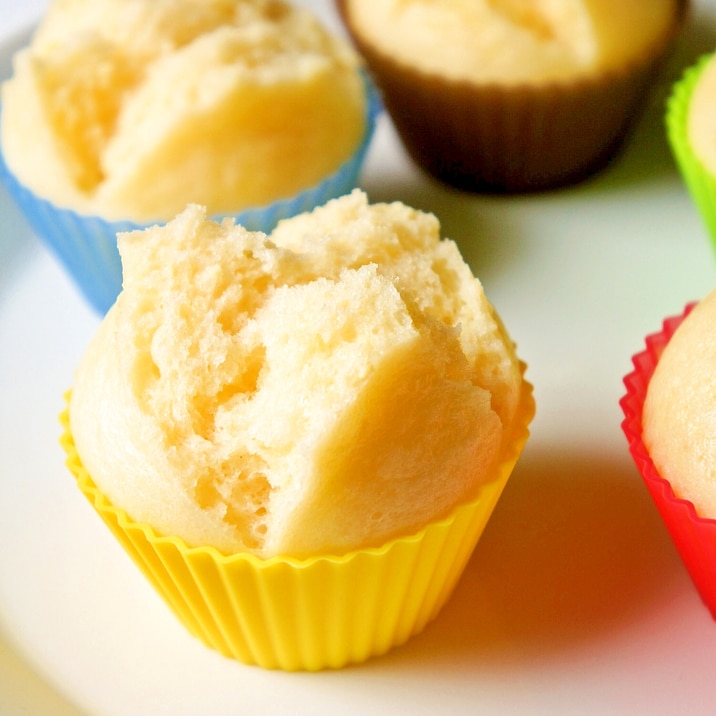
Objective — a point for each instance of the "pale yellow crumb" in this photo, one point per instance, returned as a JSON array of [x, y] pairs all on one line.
[[514, 41], [130, 109], [330, 386], [679, 419]]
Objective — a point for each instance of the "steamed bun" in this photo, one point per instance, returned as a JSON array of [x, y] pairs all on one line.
[[337, 383], [130, 109], [679, 419]]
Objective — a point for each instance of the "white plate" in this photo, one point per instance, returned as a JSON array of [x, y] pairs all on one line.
[[574, 601]]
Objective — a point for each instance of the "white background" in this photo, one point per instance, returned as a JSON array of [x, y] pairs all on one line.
[[574, 602]]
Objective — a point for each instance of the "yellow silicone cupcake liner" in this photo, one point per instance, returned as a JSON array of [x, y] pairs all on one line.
[[700, 183], [317, 613]]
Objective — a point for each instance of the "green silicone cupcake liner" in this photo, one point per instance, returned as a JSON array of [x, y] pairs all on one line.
[[699, 182]]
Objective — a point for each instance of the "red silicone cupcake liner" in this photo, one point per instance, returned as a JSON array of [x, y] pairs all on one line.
[[694, 536]]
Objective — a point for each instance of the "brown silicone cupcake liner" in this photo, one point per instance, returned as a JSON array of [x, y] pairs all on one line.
[[492, 138]]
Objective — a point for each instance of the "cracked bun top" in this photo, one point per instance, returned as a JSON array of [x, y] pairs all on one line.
[[333, 385]]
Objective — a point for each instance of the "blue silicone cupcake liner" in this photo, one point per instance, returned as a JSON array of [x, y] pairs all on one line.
[[87, 245]]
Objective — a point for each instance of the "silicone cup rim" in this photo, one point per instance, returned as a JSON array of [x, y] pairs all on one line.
[[515, 445], [699, 181], [693, 535], [86, 245]]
